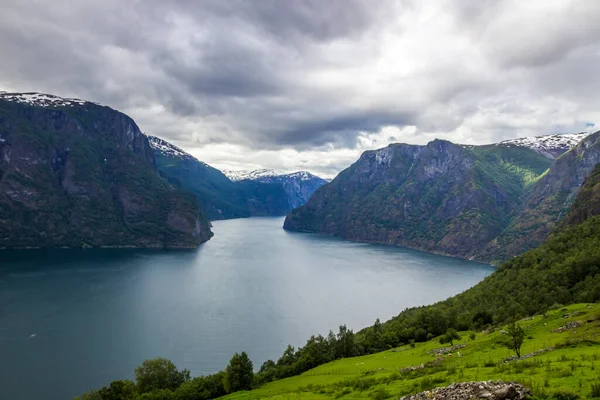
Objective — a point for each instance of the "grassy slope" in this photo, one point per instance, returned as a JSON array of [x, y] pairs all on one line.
[[573, 366]]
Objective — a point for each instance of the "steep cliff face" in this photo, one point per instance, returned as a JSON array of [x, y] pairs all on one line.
[[244, 195], [549, 200], [441, 197], [75, 173]]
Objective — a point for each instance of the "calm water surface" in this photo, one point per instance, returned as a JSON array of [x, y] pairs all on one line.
[[75, 320]]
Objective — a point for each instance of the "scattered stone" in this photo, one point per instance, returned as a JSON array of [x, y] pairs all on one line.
[[422, 366], [575, 314], [490, 390], [529, 355], [445, 350], [569, 325]]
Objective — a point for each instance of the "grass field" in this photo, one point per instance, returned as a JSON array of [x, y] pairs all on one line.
[[571, 365]]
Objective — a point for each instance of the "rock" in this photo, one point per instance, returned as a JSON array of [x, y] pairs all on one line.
[[475, 390], [569, 325]]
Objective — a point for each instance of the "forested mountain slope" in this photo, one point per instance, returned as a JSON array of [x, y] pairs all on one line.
[[76, 174]]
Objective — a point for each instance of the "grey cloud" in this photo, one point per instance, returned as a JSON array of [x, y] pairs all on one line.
[[308, 74]]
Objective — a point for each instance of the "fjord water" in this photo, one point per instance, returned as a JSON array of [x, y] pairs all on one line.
[[73, 320]]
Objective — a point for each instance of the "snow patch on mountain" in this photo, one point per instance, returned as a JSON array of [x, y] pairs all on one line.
[[266, 175], [548, 144], [240, 175], [42, 100], [169, 150]]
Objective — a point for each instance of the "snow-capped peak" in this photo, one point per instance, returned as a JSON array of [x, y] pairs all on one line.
[[167, 148], [240, 175], [549, 144], [42, 100], [266, 174]]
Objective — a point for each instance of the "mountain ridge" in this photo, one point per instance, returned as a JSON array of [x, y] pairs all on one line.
[[441, 197]]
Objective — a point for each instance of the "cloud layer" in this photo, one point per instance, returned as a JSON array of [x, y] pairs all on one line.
[[311, 84]]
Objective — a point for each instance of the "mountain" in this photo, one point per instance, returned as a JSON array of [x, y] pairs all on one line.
[[76, 174], [253, 194], [549, 200], [298, 186], [234, 194], [441, 197], [551, 146]]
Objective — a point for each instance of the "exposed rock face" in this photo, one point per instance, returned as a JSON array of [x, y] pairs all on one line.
[[480, 202], [74, 173], [489, 390]]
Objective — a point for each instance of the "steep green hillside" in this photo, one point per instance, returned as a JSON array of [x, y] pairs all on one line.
[[569, 366], [77, 174], [548, 202], [442, 197]]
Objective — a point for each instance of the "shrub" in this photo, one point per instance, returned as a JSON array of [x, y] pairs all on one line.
[[564, 395], [595, 390], [380, 394]]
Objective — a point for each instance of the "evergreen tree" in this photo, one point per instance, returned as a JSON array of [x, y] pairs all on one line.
[[239, 373]]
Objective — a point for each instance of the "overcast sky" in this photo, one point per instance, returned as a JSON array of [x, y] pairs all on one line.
[[309, 85]]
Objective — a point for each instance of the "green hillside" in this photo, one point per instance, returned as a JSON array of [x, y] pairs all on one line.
[[570, 367]]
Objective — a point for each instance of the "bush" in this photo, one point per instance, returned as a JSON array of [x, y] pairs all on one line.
[[595, 390], [380, 394]]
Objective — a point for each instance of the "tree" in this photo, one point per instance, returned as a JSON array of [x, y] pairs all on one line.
[[159, 373], [450, 336], [515, 336], [345, 343], [239, 373], [118, 390]]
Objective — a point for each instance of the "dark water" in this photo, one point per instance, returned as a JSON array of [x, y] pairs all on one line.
[[75, 320]]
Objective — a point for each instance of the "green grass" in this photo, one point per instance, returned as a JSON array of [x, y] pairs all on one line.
[[573, 365]]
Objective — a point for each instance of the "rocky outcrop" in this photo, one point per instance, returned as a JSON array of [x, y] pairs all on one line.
[[490, 390], [78, 174]]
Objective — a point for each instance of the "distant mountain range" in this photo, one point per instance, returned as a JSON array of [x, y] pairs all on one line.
[[480, 202], [234, 194]]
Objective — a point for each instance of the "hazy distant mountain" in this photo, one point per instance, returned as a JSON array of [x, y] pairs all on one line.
[[299, 186], [75, 174], [247, 194], [452, 199]]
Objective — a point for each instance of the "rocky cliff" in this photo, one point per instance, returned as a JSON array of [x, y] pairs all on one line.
[[442, 197], [76, 174]]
